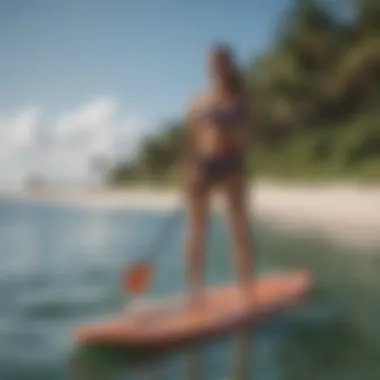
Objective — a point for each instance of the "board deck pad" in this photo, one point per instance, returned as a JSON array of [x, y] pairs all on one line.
[[172, 320]]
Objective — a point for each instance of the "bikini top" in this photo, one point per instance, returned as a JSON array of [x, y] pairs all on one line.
[[224, 118]]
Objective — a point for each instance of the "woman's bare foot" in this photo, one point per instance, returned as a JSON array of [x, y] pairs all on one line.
[[196, 298]]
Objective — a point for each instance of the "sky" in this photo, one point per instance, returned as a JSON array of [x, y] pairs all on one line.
[[80, 78]]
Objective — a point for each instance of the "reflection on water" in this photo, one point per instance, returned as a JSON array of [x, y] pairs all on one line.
[[60, 266], [198, 361], [241, 365]]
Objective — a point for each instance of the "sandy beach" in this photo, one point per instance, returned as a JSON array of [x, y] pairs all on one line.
[[347, 213]]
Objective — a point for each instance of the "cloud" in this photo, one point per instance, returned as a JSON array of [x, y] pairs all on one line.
[[61, 148], [18, 132], [86, 118]]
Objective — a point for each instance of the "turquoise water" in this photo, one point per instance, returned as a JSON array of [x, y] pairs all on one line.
[[60, 266]]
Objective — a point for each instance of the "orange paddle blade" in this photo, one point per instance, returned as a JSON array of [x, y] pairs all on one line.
[[136, 279]]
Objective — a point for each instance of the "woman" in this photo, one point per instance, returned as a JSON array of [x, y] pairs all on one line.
[[216, 141]]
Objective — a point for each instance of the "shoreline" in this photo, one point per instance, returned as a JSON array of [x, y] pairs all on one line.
[[348, 213]]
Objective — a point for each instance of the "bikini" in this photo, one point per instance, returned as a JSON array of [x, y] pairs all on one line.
[[217, 167]]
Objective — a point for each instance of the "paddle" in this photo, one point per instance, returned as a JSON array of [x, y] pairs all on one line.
[[136, 279]]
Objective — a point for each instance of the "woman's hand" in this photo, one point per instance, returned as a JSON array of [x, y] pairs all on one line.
[[190, 181]]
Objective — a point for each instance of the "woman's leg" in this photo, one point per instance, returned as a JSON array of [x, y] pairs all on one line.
[[197, 210], [238, 223]]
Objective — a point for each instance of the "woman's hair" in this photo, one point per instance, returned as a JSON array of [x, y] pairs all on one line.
[[234, 80]]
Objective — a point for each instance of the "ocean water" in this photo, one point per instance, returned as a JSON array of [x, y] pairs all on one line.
[[60, 265]]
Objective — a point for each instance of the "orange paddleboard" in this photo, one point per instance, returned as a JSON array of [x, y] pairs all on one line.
[[171, 321]]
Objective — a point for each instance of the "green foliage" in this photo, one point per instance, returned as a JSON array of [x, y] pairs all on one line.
[[315, 93]]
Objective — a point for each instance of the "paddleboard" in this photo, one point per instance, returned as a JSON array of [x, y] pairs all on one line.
[[173, 321]]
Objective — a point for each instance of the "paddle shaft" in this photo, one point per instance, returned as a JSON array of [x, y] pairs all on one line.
[[155, 248]]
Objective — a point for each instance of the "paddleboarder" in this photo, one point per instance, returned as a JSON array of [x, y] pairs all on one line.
[[217, 138]]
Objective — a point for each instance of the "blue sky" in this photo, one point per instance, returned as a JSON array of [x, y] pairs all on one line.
[[148, 53], [140, 58]]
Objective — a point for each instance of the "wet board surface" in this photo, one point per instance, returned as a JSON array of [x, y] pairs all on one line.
[[170, 321]]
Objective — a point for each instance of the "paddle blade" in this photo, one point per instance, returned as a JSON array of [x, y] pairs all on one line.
[[136, 279]]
